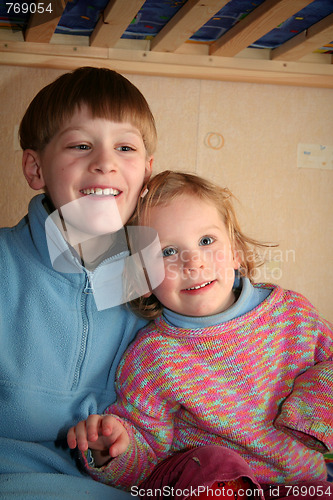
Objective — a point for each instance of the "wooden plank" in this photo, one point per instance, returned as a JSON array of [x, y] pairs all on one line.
[[306, 42], [258, 23], [192, 16], [116, 17], [169, 65], [11, 36], [41, 25], [61, 39]]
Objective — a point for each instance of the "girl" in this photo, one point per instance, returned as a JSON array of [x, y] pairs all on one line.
[[243, 368]]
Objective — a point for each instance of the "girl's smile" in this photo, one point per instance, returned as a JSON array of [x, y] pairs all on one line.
[[199, 288]]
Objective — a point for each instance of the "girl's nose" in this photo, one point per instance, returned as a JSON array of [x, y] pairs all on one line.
[[192, 260]]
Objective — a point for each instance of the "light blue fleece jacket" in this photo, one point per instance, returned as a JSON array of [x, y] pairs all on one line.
[[58, 357]]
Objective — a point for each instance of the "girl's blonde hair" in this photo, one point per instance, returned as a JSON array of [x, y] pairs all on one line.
[[168, 185]]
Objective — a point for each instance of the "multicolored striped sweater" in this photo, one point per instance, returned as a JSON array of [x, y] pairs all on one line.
[[261, 384]]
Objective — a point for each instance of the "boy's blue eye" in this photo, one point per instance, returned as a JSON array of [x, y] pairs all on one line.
[[206, 240], [82, 147], [167, 252], [125, 148]]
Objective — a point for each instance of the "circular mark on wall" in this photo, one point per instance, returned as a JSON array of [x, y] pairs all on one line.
[[214, 140]]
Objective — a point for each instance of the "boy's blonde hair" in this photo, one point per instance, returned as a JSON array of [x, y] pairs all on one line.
[[168, 185], [107, 95]]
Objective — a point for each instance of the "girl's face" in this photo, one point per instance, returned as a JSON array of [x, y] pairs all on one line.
[[198, 258]]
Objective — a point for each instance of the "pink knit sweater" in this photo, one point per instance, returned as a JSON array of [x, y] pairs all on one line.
[[261, 384]]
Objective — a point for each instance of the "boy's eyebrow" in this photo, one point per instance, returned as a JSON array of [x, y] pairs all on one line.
[[129, 129]]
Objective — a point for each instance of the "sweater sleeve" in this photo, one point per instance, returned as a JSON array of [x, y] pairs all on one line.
[[307, 413], [144, 410]]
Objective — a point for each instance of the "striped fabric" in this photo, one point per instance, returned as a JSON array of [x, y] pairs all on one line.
[[261, 384]]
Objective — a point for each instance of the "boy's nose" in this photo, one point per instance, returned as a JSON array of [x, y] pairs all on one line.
[[104, 162]]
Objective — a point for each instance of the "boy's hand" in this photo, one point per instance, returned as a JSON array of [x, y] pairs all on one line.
[[104, 435]]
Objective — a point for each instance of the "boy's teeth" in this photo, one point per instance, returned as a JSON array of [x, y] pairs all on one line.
[[199, 286], [100, 191]]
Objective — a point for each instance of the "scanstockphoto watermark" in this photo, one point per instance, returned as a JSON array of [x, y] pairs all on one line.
[[272, 263], [193, 492], [267, 263], [267, 255]]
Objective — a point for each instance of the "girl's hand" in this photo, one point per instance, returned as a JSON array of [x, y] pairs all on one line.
[[104, 435]]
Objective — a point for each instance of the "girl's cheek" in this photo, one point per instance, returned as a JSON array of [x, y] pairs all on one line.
[[172, 272]]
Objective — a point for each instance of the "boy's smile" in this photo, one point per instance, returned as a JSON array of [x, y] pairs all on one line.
[[99, 191], [93, 157], [198, 258]]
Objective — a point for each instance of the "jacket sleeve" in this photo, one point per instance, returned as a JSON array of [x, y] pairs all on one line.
[[143, 408], [307, 413]]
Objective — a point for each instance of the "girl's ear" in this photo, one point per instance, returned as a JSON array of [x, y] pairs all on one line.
[[32, 170], [237, 260]]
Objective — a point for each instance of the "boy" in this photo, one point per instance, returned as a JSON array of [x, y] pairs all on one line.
[[88, 135]]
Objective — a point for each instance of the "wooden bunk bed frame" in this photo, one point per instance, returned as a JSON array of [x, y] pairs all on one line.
[[170, 54]]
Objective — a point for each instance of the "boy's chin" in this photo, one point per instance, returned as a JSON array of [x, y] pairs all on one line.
[[88, 217]]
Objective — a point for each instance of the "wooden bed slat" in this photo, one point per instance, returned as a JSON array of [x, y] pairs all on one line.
[[300, 45], [168, 64], [191, 17], [258, 23], [116, 18], [41, 26]]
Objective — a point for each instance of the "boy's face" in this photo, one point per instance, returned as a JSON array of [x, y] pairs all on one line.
[[198, 258], [93, 157]]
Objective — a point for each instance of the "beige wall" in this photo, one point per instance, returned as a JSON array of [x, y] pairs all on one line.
[[259, 126]]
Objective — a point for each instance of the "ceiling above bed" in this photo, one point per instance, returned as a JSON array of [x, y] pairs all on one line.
[[264, 41]]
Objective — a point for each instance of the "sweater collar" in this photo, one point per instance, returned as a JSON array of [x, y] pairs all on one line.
[[249, 298]]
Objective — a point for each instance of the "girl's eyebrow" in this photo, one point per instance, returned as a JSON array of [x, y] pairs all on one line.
[[211, 228], [203, 231]]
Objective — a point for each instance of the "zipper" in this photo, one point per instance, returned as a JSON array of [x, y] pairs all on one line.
[[87, 290], [86, 295], [88, 287]]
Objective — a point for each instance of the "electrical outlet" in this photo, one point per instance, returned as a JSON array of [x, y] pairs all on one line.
[[315, 156]]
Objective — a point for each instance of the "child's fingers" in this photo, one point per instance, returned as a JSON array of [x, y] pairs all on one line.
[[121, 440], [93, 426], [108, 424], [118, 447], [81, 435], [71, 438]]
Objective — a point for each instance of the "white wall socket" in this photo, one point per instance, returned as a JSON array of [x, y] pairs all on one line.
[[315, 156]]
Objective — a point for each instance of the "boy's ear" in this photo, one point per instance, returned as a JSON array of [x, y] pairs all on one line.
[[149, 168], [31, 169]]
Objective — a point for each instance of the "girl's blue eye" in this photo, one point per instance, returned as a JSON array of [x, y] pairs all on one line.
[[206, 240], [167, 252]]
